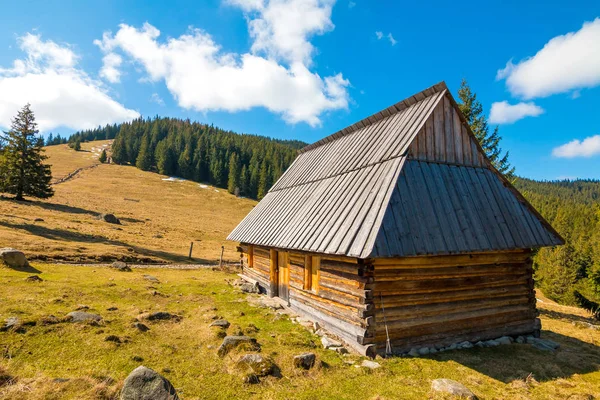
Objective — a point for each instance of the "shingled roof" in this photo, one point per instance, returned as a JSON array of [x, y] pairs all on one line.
[[359, 193]]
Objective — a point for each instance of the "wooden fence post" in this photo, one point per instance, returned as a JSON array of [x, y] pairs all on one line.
[[191, 248], [221, 258]]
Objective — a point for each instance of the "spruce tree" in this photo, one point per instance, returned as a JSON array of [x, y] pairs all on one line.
[[263, 181], [490, 142], [144, 157], [102, 157], [233, 182], [119, 153], [23, 170]]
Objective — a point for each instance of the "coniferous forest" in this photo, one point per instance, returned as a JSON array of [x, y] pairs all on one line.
[[247, 165]]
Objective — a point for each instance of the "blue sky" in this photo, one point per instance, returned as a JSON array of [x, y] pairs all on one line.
[[303, 69]]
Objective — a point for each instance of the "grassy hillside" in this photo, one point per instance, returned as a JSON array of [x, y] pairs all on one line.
[[159, 217], [74, 361]]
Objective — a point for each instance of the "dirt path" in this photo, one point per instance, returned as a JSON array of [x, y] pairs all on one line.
[[73, 174]]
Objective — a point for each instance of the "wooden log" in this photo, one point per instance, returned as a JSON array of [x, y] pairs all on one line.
[[307, 272], [455, 284], [273, 276], [451, 272], [514, 256]]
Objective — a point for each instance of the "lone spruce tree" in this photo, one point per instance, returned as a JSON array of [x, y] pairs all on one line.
[[490, 142], [23, 170]]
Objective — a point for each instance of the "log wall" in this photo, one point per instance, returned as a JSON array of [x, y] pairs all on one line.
[[443, 300]]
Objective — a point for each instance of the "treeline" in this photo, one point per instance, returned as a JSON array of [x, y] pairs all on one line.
[[246, 165], [573, 209], [52, 140]]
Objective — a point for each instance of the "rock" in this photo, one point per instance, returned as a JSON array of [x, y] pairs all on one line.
[[80, 316], [258, 364], [109, 218], [221, 323], [433, 350], [232, 342], [11, 323], [113, 338], [49, 320], [316, 326], [251, 379], [424, 351], [480, 344], [505, 340], [249, 288], [543, 344], [465, 345], [370, 364], [34, 278], [13, 258], [159, 316], [328, 342], [520, 340], [121, 266], [251, 328], [305, 360], [151, 278], [137, 358], [451, 387], [82, 307], [414, 352], [145, 384], [140, 327], [491, 343], [38, 220], [112, 309]]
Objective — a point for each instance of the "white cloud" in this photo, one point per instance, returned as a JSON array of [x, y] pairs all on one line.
[[155, 98], [391, 39], [60, 94], [567, 62], [110, 68], [588, 147], [351, 4], [380, 35], [505, 113], [274, 75]]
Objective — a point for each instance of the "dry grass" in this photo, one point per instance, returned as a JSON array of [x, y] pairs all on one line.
[[159, 218], [95, 369], [65, 160]]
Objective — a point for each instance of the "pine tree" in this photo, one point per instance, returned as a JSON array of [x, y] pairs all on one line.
[[165, 159], [473, 112], [233, 182], [102, 157], [185, 165], [244, 181], [119, 153], [23, 170], [144, 158], [263, 181]]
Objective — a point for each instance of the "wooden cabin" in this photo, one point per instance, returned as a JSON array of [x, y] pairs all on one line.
[[399, 227]]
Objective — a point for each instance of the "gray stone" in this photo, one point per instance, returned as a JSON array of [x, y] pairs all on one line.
[[305, 360], [453, 388], [221, 323], [249, 288], [543, 344], [140, 327], [327, 342], [160, 316], [146, 384], [34, 278], [370, 364], [480, 344], [433, 350], [339, 350], [453, 346], [465, 345], [121, 266], [414, 352], [505, 340], [13, 258], [81, 316], [259, 365], [520, 339], [113, 338], [109, 218], [424, 351], [491, 343], [232, 342], [151, 278], [11, 323]]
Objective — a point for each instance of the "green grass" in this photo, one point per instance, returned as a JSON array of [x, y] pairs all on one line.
[[187, 349]]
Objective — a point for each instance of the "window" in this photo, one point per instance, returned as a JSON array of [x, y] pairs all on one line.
[[312, 265]]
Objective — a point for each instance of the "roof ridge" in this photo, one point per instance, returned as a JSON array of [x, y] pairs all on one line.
[[393, 109]]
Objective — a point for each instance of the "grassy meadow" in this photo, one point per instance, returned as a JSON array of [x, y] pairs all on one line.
[[159, 218], [73, 361]]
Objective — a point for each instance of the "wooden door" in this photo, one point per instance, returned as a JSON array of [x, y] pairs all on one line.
[[283, 264]]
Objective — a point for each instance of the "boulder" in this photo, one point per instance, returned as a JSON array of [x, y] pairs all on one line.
[[305, 360], [221, 323], [109, 218], [33, 278], [140, 327], [11, 323], [370, 364], [121, 266], [113, 338], [505, 340], [162, 316], [81, 316], [151, 278], [249, 288], [448, 386], [146, 384], [13, 258], [232, 342], [259, 365]]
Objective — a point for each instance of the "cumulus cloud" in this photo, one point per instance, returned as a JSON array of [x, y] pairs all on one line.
[[505, 113], [60, 94], [110, 68], [588, 147], [275, 73], [380, 35], [155, 98], [567, 62]]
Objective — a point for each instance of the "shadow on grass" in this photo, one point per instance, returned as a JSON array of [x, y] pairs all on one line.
[[73, 236], [51, 206], [29, 269], [515, 362], [566, 317]]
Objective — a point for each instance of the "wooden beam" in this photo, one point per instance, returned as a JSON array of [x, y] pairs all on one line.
[[273, 276]]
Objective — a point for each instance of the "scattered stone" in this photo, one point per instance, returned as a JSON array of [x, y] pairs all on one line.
[[109, 218], [60, 380], [251, 328], [82, 307], [305, 360], [38, 220], [370, 364], [159, 316], [249, 288], [137, 358], [505, 340], [140, 327], [13, 258], [34, 278], [146, 384], [480, 344], [465, 345], [340, 350], [49, 320], [121, 266], [520, 340], [327, 342], [166, 370], [81, 316], [259, 365], [414, 352], [451, 387], [112, 309], [543, 344], [491, 343], [251, 379], [151, 278], [113, 338], [433, 350], [220, 323], [232, 342], [423, 351], [11, 323]]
